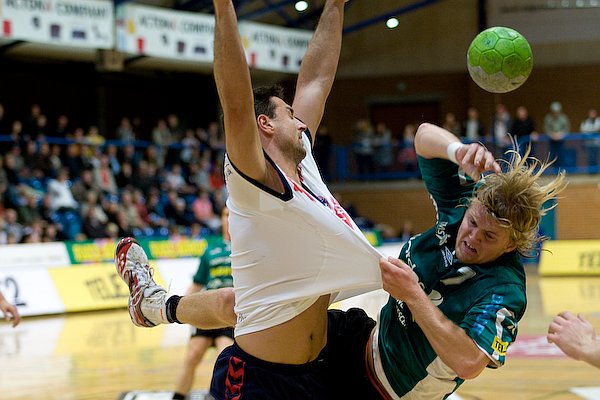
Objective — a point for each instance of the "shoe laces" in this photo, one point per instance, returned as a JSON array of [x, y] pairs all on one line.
[[143, 274]]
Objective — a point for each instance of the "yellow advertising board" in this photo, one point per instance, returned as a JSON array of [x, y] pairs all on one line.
[[92, 287], [570, 258]]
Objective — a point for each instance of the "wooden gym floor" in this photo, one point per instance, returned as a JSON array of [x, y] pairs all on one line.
[[101, 355]]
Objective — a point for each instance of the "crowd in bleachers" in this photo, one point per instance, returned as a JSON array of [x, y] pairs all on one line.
[[63, 182], [378, 153]]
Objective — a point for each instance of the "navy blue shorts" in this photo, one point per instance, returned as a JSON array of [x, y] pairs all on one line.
[[213, 333], [338, 372]]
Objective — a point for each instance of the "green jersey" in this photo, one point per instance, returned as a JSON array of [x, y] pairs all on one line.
[[214, 271], [485, 300]]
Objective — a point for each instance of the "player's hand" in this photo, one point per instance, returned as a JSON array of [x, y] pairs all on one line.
[[475, 159], [399, 280], [573, 334], [10, 312]]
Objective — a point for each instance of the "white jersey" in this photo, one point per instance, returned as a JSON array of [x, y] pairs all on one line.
[[289, 249]]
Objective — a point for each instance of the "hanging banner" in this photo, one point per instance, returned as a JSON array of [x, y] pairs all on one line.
[[548, 22], [273, 48], [79, 23], [159, 32]]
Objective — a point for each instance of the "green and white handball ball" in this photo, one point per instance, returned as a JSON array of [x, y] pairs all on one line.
[[499, 59]]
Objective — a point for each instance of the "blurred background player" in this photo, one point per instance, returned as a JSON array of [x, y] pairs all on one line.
[[214, 272]]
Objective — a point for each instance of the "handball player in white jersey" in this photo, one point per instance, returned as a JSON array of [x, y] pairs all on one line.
[[294, 248]]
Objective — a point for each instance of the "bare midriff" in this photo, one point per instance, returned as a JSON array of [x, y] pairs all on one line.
[[297, 341]]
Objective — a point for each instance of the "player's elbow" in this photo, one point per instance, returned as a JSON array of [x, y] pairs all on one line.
[[226, 304], [469, 369]]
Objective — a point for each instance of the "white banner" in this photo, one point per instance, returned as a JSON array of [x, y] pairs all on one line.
[[31, 290], [548, 22], [273, 48], [164, 33], [79, 23], [35, 255]]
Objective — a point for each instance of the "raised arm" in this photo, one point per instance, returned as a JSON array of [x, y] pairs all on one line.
[[576, 337], [319, 66], [234, 86], [432, 141]]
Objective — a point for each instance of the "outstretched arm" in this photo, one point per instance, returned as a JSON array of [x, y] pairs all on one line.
[[576, 337], [432, 141], [319, 66], [451, 343], [234, 86], [9, 311]]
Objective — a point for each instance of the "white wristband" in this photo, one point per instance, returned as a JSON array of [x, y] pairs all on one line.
[[452, 149]]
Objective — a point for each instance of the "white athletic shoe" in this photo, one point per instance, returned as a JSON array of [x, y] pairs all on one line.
[[146, 298]]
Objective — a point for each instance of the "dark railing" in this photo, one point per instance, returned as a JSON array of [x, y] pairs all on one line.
[[577, 153]]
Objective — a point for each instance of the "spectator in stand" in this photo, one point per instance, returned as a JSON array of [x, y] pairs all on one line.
[[189, 142], [152, 156], [500, 129], [129, 208], [407, 155], [204, 212], [125, 130], [30, 123], [29, 211], [557, 125], [4, 125], [174, 179], [473, 129], [126, 177], [64, 206], [91, 202], [216, 140], [13, 228], [103, 176], [384, 148], [161, 137], [41, 128], [451, 124], [16, 137], [50, 233], [129, 154], [62, 129], [73, 160], [176, 133], [322, 150], [156, 210], [112, 152], [523, 127], [590, 127], [362, 146], [94, 138], [92, 226], [84, 185]]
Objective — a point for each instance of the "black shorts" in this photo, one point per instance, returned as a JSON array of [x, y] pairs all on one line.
[[337, 373], [212, 333]]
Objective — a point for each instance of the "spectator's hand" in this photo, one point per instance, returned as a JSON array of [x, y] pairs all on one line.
[[572, 334], [398, 279], [475, 159], [10, 312]]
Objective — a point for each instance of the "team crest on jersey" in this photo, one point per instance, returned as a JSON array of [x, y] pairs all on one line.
[[440, 233]]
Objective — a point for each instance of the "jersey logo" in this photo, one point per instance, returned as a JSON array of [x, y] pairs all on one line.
[[447, 256], [341, 213], [300, 189], [440, 233]]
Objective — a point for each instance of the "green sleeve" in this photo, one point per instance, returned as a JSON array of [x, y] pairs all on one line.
[[493, 322], [201, 276]]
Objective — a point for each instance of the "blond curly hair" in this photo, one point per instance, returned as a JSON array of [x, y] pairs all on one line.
[[516, 198]]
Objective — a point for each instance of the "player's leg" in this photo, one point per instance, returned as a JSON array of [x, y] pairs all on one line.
[[196, 349], [150, 305]]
